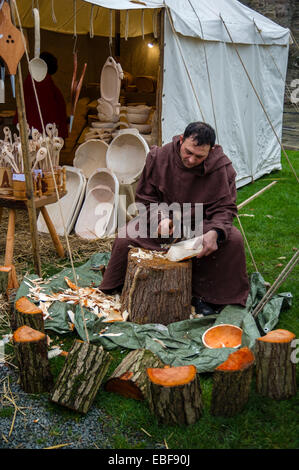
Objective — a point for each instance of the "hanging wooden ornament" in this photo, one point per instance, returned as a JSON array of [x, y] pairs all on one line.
[[11, 43]]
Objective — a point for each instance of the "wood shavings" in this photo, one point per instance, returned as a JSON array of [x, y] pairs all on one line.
[[110, 334], [106, 307], [160, 342], [54, 352], [142, 254]]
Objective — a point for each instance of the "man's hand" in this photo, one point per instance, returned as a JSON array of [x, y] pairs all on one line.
[[209, 243], [165, 228]]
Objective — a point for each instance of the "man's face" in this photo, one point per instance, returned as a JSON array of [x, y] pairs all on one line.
[[192, 154]]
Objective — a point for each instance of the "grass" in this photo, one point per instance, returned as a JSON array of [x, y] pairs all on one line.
[[264, 424]]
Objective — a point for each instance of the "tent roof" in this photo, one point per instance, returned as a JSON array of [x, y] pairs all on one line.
[[188, 14], [193, 18]]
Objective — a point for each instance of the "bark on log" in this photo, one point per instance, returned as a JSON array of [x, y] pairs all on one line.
[[157, 290], [27, 313], [231, 383], [174, 395], [275, 371], [83, 372], [130, 378], [32, 358]]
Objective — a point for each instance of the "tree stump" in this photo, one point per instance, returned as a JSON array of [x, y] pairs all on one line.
[[174, 394], [32, 358], [275, 371], [156, 290], [231, 383], [130, 378], [27, 313], [83, 372]]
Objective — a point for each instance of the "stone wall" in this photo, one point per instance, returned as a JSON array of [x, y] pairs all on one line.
[[285, 13]]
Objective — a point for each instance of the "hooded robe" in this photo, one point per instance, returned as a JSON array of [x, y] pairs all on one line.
[[52, 105], [219, 278]]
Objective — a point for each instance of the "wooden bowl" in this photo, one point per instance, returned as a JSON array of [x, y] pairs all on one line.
[[223, 336]]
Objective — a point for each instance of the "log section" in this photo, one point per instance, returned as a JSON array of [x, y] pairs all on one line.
[[174, 395], [83, 372], [231, 383], [275, 371], [130, 378], [27, 313], [157, 290], [32, 358]]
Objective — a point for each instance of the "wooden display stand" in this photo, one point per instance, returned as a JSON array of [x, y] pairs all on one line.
[[275, 371], [231, 383], [13, 204], [174, 395], [130, 378], [157, 290]]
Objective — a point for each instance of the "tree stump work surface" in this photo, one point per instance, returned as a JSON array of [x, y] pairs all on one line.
[[157, 290]]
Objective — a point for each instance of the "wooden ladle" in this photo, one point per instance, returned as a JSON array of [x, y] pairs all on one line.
[[37, 66]]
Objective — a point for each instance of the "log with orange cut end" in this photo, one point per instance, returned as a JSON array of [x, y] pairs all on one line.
[[130, 378], [175, 394], [231, 383], [32, 358], [27, 313], [275, 369]]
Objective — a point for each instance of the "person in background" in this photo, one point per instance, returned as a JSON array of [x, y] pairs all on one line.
[[52, 103]]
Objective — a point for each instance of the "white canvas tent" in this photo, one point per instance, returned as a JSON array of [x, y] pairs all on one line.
[[203, 77], [202, 71]]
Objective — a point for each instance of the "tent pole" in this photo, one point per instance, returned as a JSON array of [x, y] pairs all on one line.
[[27, 171], [117, 34], [160, 76]]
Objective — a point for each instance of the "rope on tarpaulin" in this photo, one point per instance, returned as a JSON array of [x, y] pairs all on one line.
[[52, 171]]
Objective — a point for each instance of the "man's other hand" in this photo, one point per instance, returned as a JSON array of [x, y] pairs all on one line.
[[165, 228], [209, 243]]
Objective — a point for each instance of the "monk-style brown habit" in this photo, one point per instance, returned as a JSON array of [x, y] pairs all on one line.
[[219, 278]]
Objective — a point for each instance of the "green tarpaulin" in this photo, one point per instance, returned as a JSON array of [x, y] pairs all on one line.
[[179, 343]]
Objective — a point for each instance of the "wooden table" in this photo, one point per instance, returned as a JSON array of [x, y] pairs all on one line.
[[13, 204]]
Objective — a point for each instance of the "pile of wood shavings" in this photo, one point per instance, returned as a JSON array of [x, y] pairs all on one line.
[[106, 307], [146, 254]]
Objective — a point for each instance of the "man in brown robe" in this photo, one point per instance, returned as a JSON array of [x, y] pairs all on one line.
[[192, 169]]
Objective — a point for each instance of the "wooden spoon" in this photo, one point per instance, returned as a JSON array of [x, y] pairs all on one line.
[[41, 154], [8, 157]]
